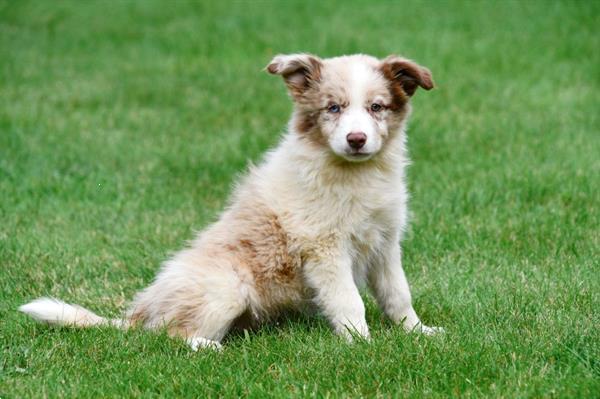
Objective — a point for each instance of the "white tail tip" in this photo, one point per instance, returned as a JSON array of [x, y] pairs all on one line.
[[53, 311]]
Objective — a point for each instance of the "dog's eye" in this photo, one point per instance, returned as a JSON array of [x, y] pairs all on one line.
[[333, 108], [376, 107]]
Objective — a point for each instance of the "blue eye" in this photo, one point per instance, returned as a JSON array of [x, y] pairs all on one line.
[[334, 108], [376, 107]]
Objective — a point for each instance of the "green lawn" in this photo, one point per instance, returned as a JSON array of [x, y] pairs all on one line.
[[123, 126]]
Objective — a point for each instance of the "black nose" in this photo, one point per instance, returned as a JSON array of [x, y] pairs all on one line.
[[356, 140]]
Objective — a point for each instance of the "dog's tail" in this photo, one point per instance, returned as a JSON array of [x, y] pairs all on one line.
[[53, 311]]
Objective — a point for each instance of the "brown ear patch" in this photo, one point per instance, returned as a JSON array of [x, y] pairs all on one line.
[[306, 123], [299, 71], [406, 76]]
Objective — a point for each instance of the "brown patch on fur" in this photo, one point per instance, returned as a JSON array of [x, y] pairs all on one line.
[[307, 124], [404, 77], [272, 68], [300, 72], [266, 252], [185, 322], [138, 316], [306, 121], [263, 248], [315, 69], [399, 96], [180, 323]]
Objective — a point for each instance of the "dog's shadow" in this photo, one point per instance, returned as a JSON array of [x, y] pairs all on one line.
[[286, 323], [293, 322]]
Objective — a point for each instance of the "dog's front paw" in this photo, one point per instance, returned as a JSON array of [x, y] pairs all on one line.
[[353, 334], [353, 337], [426, 330]]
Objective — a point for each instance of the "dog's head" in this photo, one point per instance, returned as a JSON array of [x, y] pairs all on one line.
[[352, 104]]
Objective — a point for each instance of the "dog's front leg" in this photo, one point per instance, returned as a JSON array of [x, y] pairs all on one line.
[[336, 294], [390, 287]]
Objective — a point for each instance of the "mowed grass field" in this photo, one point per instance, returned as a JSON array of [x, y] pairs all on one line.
[[123, 126]]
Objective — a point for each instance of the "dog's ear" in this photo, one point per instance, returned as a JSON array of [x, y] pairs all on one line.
[[299, 71], [406, 73]]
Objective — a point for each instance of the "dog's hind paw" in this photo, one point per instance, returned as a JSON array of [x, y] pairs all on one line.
[[197, 343], [430, 330]]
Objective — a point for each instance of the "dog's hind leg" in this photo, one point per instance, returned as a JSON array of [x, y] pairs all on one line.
[[195, 297], [197, 342], [215, 318]]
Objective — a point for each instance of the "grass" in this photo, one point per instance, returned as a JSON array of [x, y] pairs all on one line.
[[124, 124]]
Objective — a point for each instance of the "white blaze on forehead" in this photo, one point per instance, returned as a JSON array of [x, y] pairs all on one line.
[[361, 80], [358, 76]]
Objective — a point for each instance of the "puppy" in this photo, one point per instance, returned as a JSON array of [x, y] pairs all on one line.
[[322, 215]]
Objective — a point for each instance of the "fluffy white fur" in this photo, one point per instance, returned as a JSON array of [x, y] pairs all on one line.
[[307, 227]]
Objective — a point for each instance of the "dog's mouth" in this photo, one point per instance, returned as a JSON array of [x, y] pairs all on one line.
[[357, 155]]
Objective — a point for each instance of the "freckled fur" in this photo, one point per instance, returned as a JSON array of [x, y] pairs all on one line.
[[304, 228]]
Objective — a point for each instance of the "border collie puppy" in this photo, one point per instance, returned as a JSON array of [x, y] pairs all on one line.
[[322, 215]]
